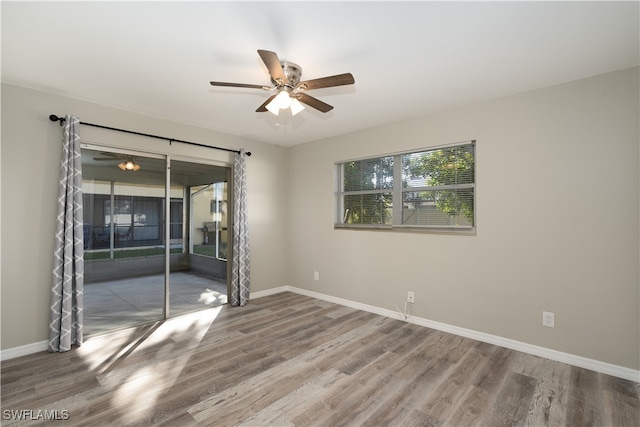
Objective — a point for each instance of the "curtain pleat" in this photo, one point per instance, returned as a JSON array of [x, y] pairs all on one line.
[[240, 261], [66, 320]]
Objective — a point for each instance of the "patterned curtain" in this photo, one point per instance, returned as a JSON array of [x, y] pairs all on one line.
[[240, 260], [65, 326]]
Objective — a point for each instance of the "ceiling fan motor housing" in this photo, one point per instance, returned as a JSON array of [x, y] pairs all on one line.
[[292, 72]]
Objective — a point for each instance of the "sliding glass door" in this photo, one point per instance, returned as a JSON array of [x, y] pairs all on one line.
[[143, 256], [199, 273]]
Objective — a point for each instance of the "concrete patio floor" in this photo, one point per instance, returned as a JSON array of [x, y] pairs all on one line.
[[123, 303]]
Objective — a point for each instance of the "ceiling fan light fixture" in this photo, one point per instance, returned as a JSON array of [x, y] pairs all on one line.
[[273, 107], [129, 165], [296, 106], [284, 100]]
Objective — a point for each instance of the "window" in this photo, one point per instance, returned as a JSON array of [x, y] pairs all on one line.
[[431, 189], [137, 220]]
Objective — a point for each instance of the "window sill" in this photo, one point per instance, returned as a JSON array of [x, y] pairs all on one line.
[[409, 229]]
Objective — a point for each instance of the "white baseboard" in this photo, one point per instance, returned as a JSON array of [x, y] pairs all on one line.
[[558, 356], [271, 291], [570, 359], [24, 350]]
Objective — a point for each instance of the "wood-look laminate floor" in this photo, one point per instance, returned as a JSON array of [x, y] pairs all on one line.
[[291, 360]]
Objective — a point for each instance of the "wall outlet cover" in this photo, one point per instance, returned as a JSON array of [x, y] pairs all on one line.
[[548, 319]]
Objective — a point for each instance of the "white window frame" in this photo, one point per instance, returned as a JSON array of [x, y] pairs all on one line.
[[398, 192]]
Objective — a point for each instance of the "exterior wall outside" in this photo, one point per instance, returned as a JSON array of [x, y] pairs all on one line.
[[202, 214]]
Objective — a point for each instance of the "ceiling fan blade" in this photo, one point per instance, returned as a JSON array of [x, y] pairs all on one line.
[[263, 107], [250, 86], [272, 62], [314, 102], [337, 80]]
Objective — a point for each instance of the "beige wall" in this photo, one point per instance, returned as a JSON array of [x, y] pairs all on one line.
[[31, 150], [558, 190], [557, 222]]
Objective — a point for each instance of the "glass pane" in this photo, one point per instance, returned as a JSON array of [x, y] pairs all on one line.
[[442, 167], [198, 263], [446, 208], [209, 205], [370, 174], [124, 250], [368, 209], [176, 219]]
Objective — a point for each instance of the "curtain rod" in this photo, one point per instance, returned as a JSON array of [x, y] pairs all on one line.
[[55, 118]]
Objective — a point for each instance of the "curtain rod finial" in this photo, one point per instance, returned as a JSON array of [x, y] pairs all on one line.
[[55, 118]]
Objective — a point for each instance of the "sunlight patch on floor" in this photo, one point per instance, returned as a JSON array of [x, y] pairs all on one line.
[[212, 297], [136, 387], [188, 327], [100, 352]]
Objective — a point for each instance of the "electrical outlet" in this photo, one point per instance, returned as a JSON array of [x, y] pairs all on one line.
[[548, 319], [411, 297], [316, 275]]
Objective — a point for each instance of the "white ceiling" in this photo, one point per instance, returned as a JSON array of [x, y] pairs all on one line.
[[408, 58]]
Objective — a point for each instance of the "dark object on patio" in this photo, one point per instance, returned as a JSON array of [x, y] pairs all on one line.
[[209, 230], [100, 238], [86, 235], [126, 235]]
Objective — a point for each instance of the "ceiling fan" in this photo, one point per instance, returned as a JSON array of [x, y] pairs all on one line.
[[127, 163], [290, 91]]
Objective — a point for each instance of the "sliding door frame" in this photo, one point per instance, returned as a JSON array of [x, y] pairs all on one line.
[[168, 159], [167, 237]]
